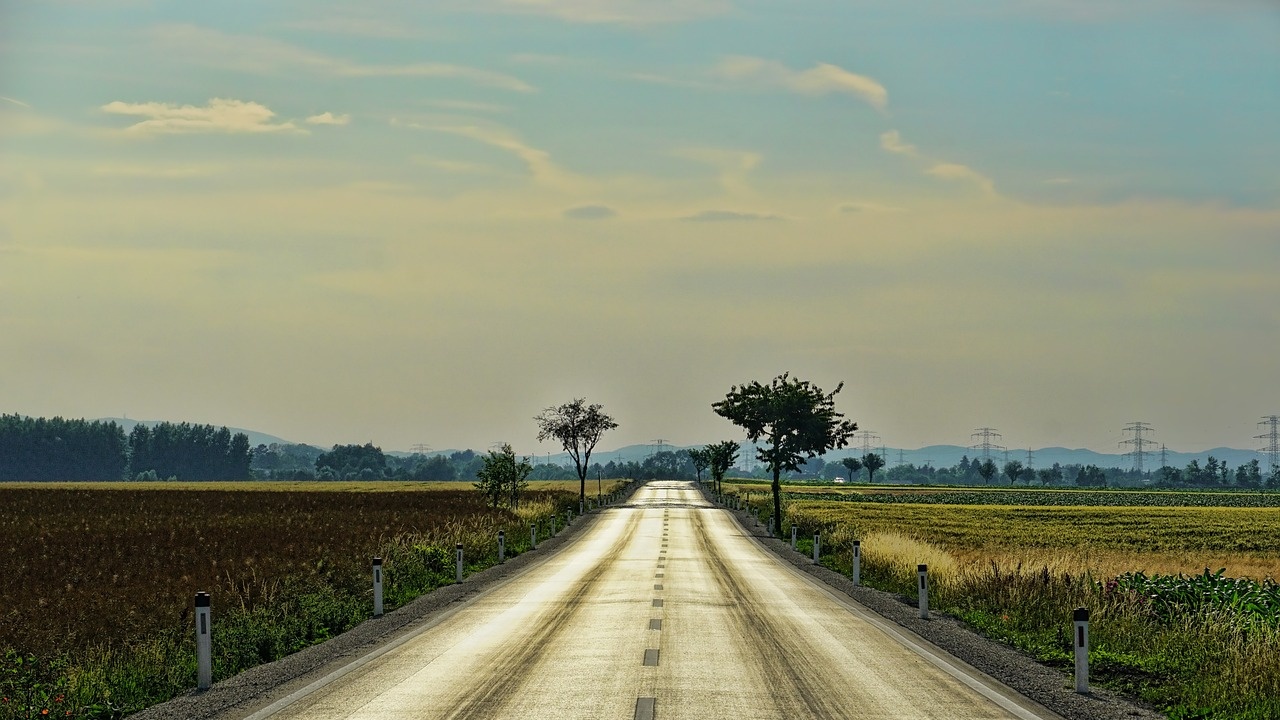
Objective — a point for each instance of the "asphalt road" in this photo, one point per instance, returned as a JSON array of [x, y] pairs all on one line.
[[662, 608]]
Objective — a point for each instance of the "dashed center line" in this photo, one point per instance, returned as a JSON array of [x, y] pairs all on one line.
[[655, 624], [657, 602], [651, 657], [645, 708]]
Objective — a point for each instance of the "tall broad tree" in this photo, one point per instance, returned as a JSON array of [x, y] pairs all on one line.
[[987, 470], [794, 417], [721, 456], [701, 459], [1013, 470], [853, 465], [872, 462], [577, 426]]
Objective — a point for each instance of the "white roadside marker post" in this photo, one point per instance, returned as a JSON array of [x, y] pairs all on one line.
[[857, 562], [924, 591], [1081, 618], [793, 537], [568, 517], [533, 536], [582, 506], [770, 526], [377, 587], [817, 546], [458, 548], [204, 648], [502, 547], [553, 526]]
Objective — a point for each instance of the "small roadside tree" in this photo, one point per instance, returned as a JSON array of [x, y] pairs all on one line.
[[987, 470], [721, 457], [872, 462], [796, 419], [853, 464], [577, 426], [1013, 470], [503, 478], [701, 458]]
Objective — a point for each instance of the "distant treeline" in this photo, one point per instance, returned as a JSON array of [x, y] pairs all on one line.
[[52, 449], [369, 462]]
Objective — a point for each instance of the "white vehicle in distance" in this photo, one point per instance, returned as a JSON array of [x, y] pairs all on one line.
[[839, 480]]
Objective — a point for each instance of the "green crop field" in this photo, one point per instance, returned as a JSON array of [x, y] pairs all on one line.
[[97, 580], [1014, 563]]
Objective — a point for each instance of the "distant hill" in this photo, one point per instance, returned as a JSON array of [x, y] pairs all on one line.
[[255, 438]]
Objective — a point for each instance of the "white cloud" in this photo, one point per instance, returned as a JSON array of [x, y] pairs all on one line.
[[729, 216], [963, 173], [219, 116], [328, 118], [538, 161], [622, 12], [19, 103], [248, 53], [821, 79], [892, 141]]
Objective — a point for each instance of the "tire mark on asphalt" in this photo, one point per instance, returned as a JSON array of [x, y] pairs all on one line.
[[777, 650], [500, 681]]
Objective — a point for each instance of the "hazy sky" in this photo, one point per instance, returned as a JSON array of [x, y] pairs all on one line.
[[407, 222]]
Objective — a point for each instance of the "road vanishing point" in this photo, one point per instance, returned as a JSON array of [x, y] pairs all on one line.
[[663, 607]]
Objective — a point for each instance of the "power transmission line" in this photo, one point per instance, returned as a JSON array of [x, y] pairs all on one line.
[[1272, 438], [868, 440], [1139, 443], [986, 435], [421, 448]]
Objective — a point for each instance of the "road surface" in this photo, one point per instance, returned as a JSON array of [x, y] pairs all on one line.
[[662, 608]]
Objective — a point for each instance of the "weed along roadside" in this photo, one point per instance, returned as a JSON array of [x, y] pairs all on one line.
[[1201, 645], [268, 599]]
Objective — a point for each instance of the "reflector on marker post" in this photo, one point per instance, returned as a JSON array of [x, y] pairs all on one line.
[[1081, 619], [857, 562], [459, 551], [377, 587], [924, 591], [502, 546], [204, 647]]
